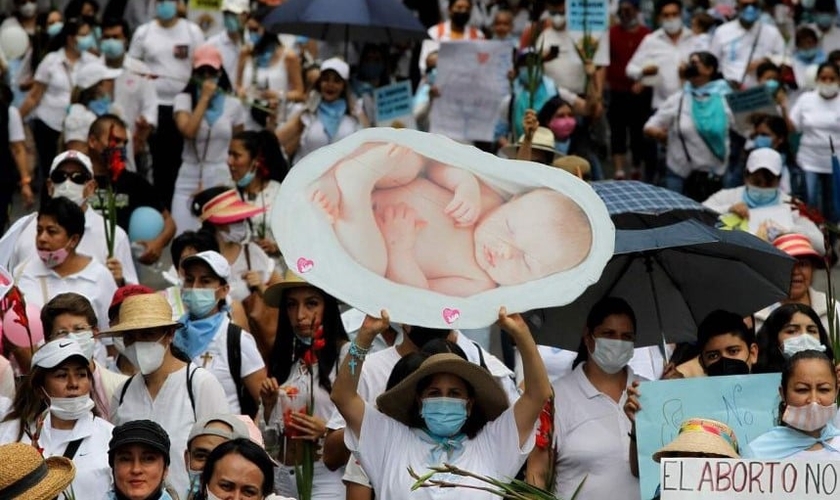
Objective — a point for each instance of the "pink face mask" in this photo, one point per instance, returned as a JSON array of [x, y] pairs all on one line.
[[562, 127], [53, 258]]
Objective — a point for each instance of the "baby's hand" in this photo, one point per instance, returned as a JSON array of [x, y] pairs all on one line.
[[465, 206], [399, 225]]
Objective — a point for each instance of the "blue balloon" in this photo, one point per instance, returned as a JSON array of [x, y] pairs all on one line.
[[145, 224]]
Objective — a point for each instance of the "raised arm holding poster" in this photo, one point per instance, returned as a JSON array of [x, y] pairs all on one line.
[[746, 403], [473, 79], [439, 233]]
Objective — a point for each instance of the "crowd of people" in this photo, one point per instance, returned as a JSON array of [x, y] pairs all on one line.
[[134, 136]]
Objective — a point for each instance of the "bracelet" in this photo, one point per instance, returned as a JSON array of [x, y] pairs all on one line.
[[357, 353]]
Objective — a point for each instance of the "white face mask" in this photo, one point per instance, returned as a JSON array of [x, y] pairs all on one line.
[[558, 21], [803, 342], [828, 90], [28, 10], [71, 408], [70, 190], [211, 496], [145, 356], [237, 232], [611, 355], [672, 26], [85, 340], [809, 417]]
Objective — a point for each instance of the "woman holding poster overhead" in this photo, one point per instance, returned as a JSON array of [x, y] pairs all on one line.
[[806, 414]]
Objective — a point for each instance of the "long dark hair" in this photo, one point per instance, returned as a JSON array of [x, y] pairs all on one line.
[[770, 357], [287, 349], [193, 87], [248, 450], [602, 309], [264, 147], [790, 365], [201, 199]]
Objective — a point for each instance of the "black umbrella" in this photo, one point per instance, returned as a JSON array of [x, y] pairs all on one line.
[[637, 205]]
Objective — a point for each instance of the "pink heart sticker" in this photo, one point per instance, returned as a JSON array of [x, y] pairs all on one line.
[[451, 315], [483, 57], [304, 265]]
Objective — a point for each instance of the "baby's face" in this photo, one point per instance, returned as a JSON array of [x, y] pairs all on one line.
[[532, 236]]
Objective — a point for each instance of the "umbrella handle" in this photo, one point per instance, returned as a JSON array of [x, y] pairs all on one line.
[[649, 269]]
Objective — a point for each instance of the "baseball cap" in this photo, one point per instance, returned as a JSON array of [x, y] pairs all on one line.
[[72, 155], [94, 72], [143, 432], [207, 55], [767, 158], [236, 6], [238, 427], [56, 352], [217, 263], [338, 66]]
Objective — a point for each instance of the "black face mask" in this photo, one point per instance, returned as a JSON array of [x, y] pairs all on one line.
[[728, 366], [691, 71], [419, 335], [460, 19]]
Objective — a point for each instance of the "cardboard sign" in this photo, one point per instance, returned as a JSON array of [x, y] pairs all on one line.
[[438, 233], [747, 103], [727, 479], [207, 14], [746, 403], [468, 106], [590, 16], [394, 105]]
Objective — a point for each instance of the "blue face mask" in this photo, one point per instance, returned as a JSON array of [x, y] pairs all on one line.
[[166, 10], [199, 301], [254, 37], [772, 85], [86, 42], [246, 179], [824, 19], [749, 14], [232, 24], [112, 48], [763, 141], [100, 106], [54, 29], [444, 417], [807, 55], [264, 59], [756, 197]]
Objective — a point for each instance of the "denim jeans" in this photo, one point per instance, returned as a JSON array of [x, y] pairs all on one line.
[[673, 181], [818, 193]]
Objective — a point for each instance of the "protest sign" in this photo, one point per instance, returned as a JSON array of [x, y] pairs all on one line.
[[589, 16], [207, 14], [747, 103], [439, 233], [394, 105], [746, 403], [728, 479], [473, 79]]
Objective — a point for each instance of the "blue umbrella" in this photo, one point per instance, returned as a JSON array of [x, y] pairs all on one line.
[[637, 205], [673, 277], [377, 21]]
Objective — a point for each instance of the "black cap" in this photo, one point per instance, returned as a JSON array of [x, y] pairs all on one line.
[[143, 432]]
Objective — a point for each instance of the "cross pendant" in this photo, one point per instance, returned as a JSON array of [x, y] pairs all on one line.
[[205, 358], [352, 365]]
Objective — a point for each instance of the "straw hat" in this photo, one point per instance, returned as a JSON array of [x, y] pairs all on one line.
[[398, 402], [543, 140], [25, 475], [227, 207], [139, 312], [274, 293], [798, 245], [702, 435], [573, 164]]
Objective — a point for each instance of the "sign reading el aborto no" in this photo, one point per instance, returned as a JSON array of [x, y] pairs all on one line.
[[719, 479]]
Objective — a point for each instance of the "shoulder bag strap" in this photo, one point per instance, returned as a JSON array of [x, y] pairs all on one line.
[[679, 129], [752, 53], [72, 448]]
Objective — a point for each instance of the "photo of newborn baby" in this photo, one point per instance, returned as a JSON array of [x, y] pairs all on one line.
[[419, 222]]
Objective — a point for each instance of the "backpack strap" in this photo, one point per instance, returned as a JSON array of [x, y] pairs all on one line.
[[234, 353], [124, 390], [190, 375], [481, 361], [72, 448]]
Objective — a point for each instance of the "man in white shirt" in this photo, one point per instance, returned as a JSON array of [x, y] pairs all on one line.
[[231, 40], [656, 63], [134, 91], [71, 176], [825, 17], [166, 44], [744, 43], [456, 28]]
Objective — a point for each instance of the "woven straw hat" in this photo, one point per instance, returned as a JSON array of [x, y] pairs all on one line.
[[543, 140], [575, 165], [398, 402], [25, 475], [274, 294], [702, 435], [139, 312], [227, 207]]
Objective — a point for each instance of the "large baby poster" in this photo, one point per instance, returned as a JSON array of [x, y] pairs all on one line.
[[439, 233]]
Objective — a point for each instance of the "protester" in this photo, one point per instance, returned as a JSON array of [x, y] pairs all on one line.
[[231, 40], [121, 364], [789, 329], [454, 29], [727, 346], [139, 456], [205, 436], [95, 88], [53, 412], [239, 467], [825, 19], [19, 461]]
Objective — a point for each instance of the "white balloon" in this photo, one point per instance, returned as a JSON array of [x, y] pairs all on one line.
[[14, 42]]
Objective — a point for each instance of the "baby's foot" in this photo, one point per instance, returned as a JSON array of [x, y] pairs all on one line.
[[327, 197]]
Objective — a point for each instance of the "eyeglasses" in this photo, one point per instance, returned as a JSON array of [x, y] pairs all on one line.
[[60, 176]]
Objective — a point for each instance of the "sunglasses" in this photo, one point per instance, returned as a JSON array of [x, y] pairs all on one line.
[[60, 176]]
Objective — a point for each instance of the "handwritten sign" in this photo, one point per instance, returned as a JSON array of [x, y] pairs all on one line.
[[468, 107], [394, 104], [746, 403], [207, 14], [725, 479], [747, 103], [591, 16]]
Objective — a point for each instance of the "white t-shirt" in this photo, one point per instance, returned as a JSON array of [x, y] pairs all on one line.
[[217, 362], [210, 145], [736, 47], [591, 435], [659, 49], [567, 69], [135, 93], [818, 120], [230, 52], [58, 76], [314, 135], [168, 52], [93, 474], [260, 262], [386, 448], [820, 455], [16, 133], [173, 410], [373, 379]]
